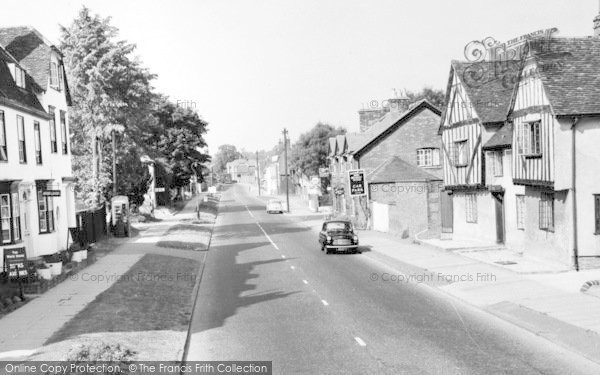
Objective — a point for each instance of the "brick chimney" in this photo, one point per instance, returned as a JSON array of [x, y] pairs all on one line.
[[368, 117], [399, 104]]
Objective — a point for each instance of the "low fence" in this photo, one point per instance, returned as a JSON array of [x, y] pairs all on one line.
[[91, 226]]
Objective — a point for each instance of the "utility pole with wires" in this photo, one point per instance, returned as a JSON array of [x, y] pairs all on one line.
[[287, 178]]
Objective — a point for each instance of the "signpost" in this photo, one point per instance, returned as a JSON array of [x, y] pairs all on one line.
[[14, 262], [357, 182], [51, 193]]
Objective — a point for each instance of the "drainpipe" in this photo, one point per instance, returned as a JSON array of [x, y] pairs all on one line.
[[574, 181]]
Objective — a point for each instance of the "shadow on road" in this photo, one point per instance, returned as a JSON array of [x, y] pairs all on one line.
[[226, 285], [249, 230]]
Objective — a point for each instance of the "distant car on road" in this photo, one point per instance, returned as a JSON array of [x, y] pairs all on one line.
[[338, 235], [274, 206]]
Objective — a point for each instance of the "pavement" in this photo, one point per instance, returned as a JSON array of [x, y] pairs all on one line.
[[538, 296], [268, 293], [26, 330]]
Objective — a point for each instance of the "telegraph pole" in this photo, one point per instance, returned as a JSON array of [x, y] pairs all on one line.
[[287, 181], [114, 162], [258, 173]]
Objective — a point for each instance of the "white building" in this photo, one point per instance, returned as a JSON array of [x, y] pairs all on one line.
[[36, 184]]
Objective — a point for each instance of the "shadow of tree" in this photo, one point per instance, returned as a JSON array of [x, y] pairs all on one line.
[[225, 283]]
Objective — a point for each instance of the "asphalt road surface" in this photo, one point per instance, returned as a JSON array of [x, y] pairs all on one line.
[[269, 293]]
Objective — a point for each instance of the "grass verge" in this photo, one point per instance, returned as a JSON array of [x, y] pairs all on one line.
[[155, 294]]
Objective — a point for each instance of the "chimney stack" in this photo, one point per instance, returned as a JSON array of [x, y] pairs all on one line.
[[597, 25], [399, 104]]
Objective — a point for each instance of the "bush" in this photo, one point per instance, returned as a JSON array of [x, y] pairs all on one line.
[[101, 352]]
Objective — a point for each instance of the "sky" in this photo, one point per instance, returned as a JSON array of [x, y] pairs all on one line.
[[251, 68]]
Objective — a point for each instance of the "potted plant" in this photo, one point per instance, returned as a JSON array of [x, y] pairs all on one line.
[[78, 253], [54, 261], [44, 272]]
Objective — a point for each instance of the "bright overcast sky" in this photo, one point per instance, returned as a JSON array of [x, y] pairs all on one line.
[[254, 67]]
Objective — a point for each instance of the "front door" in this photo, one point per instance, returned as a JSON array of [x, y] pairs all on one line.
[[499, 203], [447, 211]]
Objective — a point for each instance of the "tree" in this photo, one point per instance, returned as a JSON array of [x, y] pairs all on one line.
[[224, 155], [309, 153], [435, 97], [177, 142], [110, 92]]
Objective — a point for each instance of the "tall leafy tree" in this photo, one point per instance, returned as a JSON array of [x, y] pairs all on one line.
[[111, 93], [309, 153], [177, 140], [434, 96], [224, 155]]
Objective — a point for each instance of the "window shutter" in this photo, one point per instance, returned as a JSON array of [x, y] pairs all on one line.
[[597, 210], [541, 213]]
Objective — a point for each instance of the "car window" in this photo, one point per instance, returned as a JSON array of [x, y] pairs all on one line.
[[339, 225]]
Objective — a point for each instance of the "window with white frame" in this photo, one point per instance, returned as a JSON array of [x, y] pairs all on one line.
[[16, 216], [53, 142], [38, 142], [494, 164], [63, 132], [529, 139], [21, 137], [428, 157], [546, 211], [5, 218], [45, 211], [10, 218], [471, 208], [520, 212], [461, 153], [3, 150], [19, 77], [54, 80]]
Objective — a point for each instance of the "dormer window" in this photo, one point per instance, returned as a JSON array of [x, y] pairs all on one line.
[[18, 75], [56, 75]]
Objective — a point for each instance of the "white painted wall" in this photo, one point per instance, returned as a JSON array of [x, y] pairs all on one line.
[[485, 227]]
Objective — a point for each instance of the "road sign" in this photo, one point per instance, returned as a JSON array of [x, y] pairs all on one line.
[[159, 189], [14, 262], [51, 193], [357, 182]]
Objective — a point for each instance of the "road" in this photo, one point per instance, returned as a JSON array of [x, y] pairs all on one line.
[[269, 293]]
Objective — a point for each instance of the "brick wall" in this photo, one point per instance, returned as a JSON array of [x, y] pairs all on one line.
[[421, 131]]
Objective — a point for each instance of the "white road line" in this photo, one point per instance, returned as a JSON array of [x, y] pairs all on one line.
[[283, 256], [305, 282], [250, 212], [325, 302], [292, 267], [266, 235], [360, 341]]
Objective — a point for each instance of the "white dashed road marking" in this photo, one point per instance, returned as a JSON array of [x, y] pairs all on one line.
[[360, 341], [292, 267], [305, 282], [266, 235], [325, 302]]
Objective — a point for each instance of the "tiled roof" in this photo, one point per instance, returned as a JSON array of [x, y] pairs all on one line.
[[11, 94], [341, 140], [395, 169], [29, 47], [33, 51], [570, 72], [353, 140], [489, 86], [332, 143], [389, 120], [502, 138]]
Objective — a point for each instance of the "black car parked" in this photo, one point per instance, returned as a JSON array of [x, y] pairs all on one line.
[[338, 235]]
